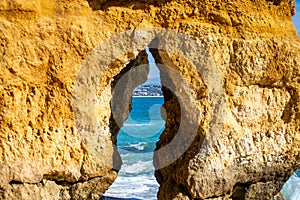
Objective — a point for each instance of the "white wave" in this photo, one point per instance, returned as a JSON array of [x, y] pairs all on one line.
[[291, 189], [131, 157], [138, 167], [146, 180], [140, 187], [140, 146]]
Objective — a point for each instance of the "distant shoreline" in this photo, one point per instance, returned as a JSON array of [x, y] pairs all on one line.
[[147, 96]]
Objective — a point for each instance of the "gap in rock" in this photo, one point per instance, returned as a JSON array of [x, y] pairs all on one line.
[[137, 140]]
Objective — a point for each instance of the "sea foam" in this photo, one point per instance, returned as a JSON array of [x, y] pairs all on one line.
[[138, 167], [291, 189]]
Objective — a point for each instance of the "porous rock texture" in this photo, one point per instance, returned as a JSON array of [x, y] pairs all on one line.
[[57, 122]]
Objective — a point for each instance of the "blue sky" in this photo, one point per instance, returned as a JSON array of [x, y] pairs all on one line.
[[296, 18], [154, 72]]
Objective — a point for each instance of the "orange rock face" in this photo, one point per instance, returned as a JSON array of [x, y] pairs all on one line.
[[60, 64]]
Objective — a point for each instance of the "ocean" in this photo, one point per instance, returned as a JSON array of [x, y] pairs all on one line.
[[136, 142], [291, 189]]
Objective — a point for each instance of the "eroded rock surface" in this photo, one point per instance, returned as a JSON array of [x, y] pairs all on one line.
[[51, 148]]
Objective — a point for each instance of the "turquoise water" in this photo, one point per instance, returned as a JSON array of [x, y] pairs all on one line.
[[136, 143]]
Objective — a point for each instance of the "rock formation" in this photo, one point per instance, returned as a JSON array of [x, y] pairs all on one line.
[[61, 62]]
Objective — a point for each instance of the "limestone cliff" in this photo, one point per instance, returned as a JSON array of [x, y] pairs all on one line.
[[61, 61]]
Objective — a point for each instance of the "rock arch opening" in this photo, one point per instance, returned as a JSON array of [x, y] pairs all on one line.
[[137, 138], [182, 87], [193, 95]]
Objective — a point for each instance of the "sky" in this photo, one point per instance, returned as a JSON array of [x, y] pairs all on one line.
[[296, 18], [154, 72], [153, 76]]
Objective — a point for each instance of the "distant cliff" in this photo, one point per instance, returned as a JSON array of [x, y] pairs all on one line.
[[231, 89]]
